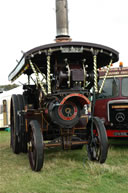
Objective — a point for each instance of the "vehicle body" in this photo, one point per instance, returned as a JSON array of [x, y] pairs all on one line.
[[5, 99], [113, 102], [56, 110]]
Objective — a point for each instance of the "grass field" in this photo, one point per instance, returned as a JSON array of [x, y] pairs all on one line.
[[63, 172]]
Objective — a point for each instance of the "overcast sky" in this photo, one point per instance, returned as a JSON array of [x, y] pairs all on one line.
[[25, 24]]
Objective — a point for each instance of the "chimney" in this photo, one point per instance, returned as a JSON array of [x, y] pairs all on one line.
[[62, 21]]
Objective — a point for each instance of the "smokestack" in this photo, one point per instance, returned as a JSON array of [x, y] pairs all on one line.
[[62, 21]]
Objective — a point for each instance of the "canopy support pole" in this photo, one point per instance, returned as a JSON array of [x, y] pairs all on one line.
[[37, 77], [107, 71]]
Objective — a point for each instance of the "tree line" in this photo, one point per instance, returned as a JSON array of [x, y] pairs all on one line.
[[8, 87]]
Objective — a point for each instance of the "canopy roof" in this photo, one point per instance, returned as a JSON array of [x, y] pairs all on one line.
[[73, 50]]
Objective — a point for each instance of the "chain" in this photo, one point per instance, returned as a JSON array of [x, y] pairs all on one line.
[[37, 77]]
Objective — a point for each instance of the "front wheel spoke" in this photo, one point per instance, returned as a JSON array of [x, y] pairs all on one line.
[[97, 154], [36, 153], [97, 140]]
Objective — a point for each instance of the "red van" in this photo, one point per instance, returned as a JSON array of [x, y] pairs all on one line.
[[112, 103]]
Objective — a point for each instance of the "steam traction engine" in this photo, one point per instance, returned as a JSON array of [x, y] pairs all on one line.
[[56, 110]]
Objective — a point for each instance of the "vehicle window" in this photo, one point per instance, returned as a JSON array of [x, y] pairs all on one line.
[[124, 86], [110, 89]]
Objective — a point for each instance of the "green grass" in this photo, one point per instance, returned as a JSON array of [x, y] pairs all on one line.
[[63, 171]]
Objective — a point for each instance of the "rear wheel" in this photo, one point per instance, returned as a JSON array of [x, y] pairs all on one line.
[[15, 137], [23, 135], [35, 146], [97, 147]]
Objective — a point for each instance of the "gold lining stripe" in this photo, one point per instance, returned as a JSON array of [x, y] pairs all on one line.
[[22, 71], [120, 107], [114, 76]]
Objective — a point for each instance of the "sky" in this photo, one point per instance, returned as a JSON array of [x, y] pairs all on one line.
[[25, 24]]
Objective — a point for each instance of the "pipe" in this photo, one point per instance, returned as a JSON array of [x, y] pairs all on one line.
[[62, 21]]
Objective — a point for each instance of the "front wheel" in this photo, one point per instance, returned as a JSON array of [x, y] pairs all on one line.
[[97, 146], [35, 146]]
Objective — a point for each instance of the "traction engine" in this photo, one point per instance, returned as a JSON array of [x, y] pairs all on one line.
[[57, 110]]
